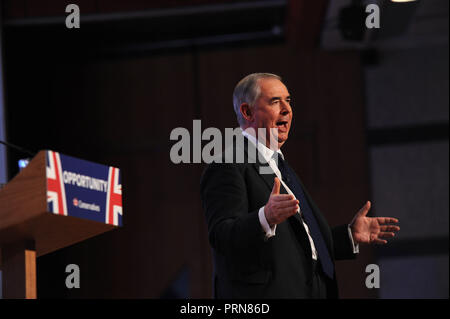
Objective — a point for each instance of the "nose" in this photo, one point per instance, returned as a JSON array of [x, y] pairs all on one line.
[[285, 108]]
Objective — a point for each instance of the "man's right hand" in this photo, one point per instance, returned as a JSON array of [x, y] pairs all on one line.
[[280, 206]]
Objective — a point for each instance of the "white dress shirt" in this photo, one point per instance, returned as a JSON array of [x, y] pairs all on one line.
[[267, 154]]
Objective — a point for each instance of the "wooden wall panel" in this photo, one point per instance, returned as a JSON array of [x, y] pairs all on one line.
[[126, 110], [121, 112]]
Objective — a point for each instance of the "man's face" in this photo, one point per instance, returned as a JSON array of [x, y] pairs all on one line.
[[272, 109]]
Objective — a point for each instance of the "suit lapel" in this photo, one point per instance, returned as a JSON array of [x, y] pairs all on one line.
[[267, 178], [258, 162]]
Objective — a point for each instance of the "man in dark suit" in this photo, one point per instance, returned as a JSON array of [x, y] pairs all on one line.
[[269, 239]]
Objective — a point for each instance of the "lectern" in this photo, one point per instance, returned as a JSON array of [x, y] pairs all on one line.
[[56, 201]]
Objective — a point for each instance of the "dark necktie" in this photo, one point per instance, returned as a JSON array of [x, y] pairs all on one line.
[[319, 242]]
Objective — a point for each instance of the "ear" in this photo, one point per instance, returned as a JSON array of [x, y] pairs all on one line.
[[247, 112]]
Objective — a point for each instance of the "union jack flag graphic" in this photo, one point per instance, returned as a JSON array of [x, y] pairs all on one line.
[[83, 189], [113, 197], [56, 197]]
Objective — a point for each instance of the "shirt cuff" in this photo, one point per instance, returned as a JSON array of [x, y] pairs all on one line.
[[355, 247], [270, 232]]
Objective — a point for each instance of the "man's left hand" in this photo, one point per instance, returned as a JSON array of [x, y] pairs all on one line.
[[372, 230]]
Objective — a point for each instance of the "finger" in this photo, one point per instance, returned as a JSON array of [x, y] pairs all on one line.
[[282, 197], [287, 204], [389, 228], [288, 211], [386, 235], [365, 209], [387, 220], [276, 186], [380, 241]]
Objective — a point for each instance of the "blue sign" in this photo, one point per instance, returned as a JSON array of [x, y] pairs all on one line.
[[83, 189]]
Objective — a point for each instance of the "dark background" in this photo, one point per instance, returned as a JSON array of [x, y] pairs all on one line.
[[371, 122]]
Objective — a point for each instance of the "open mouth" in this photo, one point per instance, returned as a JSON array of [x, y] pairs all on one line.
[[282, 125]]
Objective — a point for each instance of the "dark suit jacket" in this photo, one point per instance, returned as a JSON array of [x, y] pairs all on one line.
[[246, 264]]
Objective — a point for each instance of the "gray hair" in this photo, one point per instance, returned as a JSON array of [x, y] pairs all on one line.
[[248, 91]]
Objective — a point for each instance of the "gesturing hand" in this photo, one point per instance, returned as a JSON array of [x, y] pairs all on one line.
[[280, 206], [369, 230]]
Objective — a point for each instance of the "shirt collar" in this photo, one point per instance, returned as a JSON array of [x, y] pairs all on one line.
[[266, 152]]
